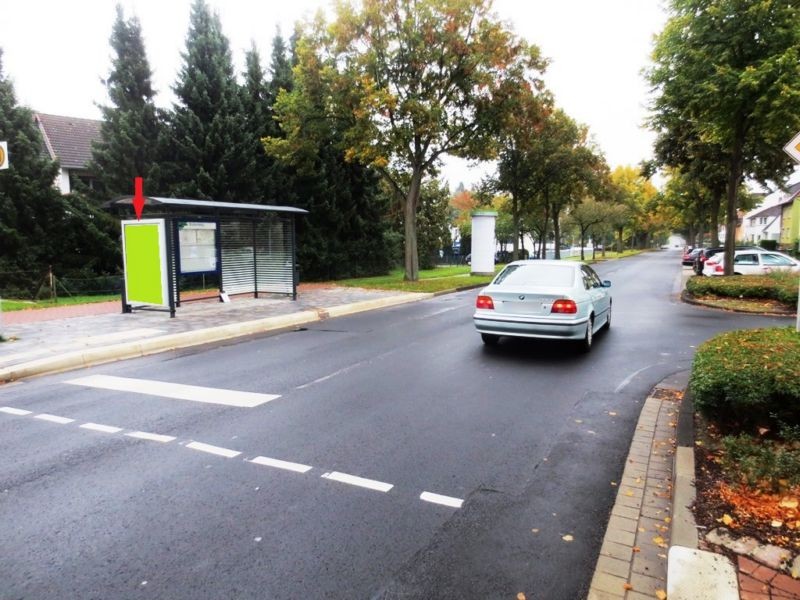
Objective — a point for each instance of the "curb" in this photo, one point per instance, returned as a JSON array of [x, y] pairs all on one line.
[[186, 339], [688, 298]]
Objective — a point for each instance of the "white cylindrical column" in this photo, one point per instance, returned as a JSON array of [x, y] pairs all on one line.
[[483, 242]]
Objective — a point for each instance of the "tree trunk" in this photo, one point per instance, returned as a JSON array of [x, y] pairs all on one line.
[[716, 200], [515, 218], [734, 180], [556, 234], [410, 226], [543, 248]]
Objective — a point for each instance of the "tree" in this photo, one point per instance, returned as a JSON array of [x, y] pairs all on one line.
[[130, 127], [732, 69], [408, 82], [40, 228], [517, 165], [207, 150], [586, 215]]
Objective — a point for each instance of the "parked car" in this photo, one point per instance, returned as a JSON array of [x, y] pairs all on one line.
[[752, 262], [546, 299], [689, 255], [706, 253]]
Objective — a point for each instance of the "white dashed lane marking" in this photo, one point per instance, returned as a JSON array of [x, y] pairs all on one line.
[[14, 411], [370, 484], [443, 500], [353, 480], [153, 437], [177, 391], [54, 419], [101, 428], [213, 449], [281, 464]]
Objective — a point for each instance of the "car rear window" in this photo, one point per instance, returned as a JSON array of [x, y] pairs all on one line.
[[533, 274]]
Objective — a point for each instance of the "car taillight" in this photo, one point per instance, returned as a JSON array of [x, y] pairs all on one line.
[[565, 307], [484, 302], [719, 269]]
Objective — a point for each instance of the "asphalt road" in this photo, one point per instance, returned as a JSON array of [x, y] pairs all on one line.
[[528, 435]]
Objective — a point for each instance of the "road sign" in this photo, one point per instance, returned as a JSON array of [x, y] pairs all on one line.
[[793, 148], [3, 155]]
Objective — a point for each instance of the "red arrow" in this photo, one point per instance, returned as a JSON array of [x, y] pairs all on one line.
[[138, 198]]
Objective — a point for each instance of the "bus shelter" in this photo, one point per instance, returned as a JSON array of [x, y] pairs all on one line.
[[250, 248]]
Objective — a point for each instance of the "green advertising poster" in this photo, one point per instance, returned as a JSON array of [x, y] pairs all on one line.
[[145, 256]]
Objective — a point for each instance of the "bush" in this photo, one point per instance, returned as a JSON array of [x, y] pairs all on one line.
[[775, 286], [749, 377], [761, 461], [769, 244]]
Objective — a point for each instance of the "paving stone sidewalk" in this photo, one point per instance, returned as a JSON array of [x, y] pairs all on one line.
[[633, 558], [32, 339]]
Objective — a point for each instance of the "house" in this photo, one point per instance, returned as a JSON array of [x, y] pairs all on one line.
[[773, 221], [69, 141], [790, 219]]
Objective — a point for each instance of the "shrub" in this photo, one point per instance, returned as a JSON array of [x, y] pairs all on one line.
[[749, 376], [775, 286], [761, 461], [769, 244]]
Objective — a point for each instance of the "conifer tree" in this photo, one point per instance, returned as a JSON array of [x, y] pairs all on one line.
[[129, 133], [40, 228], [28, 202], [209, 154]]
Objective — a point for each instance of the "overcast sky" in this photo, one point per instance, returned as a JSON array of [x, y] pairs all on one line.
[[56, 53]]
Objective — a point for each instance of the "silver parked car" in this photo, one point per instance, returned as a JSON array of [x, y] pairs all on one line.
[[549, 299]]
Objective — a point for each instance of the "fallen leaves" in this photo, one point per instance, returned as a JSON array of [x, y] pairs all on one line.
[[726, 520], [661, 595], [520, 596]]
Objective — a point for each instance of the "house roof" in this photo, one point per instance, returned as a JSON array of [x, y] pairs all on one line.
[[68, 139], [774, 209]]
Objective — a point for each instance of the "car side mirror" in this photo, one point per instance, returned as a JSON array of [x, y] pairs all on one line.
[[606, 283]]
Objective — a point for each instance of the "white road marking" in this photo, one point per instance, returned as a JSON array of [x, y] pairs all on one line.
[[102, 428], [281, 464], [153, 437], [213, 449], [175, 390], [331, 375], [629, 378], [14, 411], [54, 419], [371, 484], [443, 500]]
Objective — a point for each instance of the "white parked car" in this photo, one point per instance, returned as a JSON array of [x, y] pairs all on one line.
[[752, 262]]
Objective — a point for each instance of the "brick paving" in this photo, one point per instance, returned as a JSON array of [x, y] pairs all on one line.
[[760, 582], [633, 558]]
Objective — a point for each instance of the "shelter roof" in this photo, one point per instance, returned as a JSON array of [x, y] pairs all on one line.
[[178, 205]]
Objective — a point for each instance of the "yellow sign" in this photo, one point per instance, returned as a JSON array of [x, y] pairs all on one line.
[[3, 155]]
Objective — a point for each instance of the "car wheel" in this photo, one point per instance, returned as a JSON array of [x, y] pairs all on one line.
[[588, 338], [489, 339], [608, 318]]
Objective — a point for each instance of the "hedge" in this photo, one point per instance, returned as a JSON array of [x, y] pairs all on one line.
[[749, 376], [776, 286]]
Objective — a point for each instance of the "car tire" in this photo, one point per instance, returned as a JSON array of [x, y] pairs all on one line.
[[489, 339], [607, 326], [588, 337]]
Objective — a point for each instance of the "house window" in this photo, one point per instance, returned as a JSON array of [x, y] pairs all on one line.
[[762, 220]]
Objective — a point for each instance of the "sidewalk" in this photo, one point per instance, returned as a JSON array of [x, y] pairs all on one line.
[[61, 338]]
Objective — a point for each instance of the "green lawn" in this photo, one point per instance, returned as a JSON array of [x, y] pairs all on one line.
[[10, 305], [430, 280]]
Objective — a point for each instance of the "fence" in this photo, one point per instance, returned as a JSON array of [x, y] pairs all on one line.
[[31, 286]]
